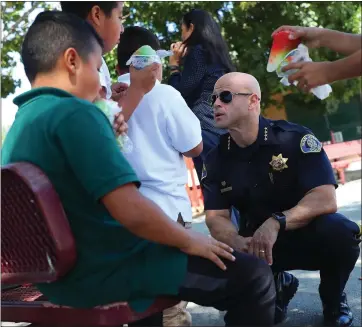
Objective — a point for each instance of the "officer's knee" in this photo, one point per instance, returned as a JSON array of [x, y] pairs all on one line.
[[335, 230]]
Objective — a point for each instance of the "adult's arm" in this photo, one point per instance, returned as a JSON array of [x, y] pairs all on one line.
[[343, 43], [316, 181], [218, 217], [318, 201], [346, 68]]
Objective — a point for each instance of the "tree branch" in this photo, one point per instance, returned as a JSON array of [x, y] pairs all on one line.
[[18, 22]]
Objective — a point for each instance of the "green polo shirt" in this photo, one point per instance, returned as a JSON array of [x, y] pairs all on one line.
[[72, 141]]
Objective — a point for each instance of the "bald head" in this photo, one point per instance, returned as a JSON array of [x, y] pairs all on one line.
[[239, 82]]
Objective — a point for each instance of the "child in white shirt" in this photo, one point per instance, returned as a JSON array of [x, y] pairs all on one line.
[[163, 129]]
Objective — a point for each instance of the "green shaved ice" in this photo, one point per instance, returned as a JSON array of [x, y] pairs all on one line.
[[101, 104], [145, 50]]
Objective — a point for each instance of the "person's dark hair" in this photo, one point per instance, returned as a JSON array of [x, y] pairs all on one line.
[[51, 34], [83, 8], [132, 39], [207, 33]]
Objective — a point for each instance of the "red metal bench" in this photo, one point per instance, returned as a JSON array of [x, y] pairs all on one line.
[[37, 246], [342, 155]]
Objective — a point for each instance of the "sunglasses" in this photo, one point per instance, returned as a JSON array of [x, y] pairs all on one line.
[[225, 96]]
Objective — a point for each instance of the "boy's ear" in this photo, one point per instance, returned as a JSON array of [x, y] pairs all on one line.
[[71, 60], [95, 15]]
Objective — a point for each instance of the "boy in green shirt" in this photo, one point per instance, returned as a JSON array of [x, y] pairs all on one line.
[[128, 249]]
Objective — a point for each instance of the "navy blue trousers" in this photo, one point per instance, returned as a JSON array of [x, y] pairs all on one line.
[[330, 244]]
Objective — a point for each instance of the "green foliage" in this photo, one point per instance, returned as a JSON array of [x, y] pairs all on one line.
[[246, 26], [15, 20]]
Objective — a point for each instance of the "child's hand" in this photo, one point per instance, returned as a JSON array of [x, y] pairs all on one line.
[[118, 90], [120, 126]]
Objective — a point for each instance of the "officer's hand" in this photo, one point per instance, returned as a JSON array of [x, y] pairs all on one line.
[[264, 239], [208, 248]]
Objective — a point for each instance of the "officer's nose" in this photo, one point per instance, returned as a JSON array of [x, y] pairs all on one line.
[[217, 103]]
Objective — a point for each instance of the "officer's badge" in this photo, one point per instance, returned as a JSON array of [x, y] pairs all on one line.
[[310, 144], [204, 172], [278, 163]]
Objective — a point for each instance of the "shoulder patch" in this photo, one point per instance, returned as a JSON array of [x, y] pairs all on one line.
[[310, 144], [204, 172]]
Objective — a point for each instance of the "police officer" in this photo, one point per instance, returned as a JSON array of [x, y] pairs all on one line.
[[280, 179]]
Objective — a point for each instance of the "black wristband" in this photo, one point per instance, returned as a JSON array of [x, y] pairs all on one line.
[[281, 219]]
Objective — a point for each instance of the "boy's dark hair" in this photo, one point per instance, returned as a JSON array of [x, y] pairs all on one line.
[[51, 34], [83, 8], [132, 39]]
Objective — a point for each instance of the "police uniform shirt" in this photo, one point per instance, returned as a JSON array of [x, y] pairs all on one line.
[[271, 175]]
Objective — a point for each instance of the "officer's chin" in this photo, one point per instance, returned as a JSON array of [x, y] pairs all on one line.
[[219, 124]]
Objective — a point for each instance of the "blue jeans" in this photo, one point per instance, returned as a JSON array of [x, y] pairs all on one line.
[[211, 140]]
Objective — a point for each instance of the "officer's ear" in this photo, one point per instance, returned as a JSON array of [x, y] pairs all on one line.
[[253, 101]]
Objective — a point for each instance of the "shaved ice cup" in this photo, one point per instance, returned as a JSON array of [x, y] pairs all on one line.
[[281, 47], [146, 56], [110, 109]]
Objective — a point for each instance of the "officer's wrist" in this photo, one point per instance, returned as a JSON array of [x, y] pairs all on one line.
[[274, 223]]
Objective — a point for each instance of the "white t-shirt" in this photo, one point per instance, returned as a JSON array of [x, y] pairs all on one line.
[[161, 128], [105, 79]]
